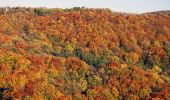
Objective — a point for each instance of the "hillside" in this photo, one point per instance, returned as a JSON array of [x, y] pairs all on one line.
[[82, 53]]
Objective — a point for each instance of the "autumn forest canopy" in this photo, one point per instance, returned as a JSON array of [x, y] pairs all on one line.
[[83, 54]]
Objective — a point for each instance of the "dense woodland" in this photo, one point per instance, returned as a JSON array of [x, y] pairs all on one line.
[[84, 54]]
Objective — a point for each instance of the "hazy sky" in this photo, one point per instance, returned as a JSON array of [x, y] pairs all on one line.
[[133, 6]]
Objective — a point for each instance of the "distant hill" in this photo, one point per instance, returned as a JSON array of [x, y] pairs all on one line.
[[160, 12]]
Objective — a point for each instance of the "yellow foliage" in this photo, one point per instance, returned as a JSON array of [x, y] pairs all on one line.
[[53, 72], [23, 63], [157, 44], [22, 81], [38, 96], [156, 69], [115, 92], [145, 92], [83, 84], [124, 66]]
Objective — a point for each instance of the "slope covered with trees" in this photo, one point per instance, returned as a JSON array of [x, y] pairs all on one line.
[[82, 53]]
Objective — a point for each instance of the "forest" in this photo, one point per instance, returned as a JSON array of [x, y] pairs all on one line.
[[84, 54]]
